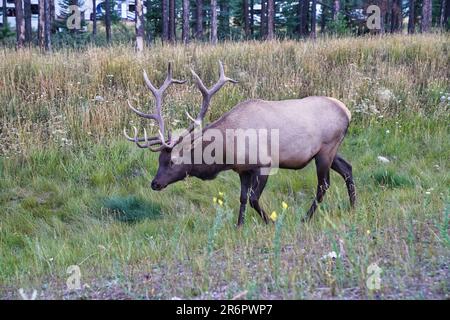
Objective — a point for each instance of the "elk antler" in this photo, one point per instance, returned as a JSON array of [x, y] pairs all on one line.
[[157, 116], [207, 94]]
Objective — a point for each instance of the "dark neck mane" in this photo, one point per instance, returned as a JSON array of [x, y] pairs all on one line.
[[207, 171]]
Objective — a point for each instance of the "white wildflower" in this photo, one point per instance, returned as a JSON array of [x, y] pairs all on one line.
[[330, 255], [385, 95]]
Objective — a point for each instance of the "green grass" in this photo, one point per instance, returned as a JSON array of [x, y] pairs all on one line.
[[89, 203], [131, 209], [55, 215]]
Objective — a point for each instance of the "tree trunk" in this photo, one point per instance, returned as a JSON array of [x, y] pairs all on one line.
[[172, 30], [411, 20], [447, 14], [426, 15], [383, 9], [302, 13], [52, 16], [213, 36], [94, 18], [20, 24], [199, 20], [246, 20], [139, 25], [48, 26], [252, 16], [165, 20], [224, 19], [41, 25], [442, 15], [313, 19], [387, 20], [336, 8], [396, 15], [108, 20], [263, 19], [5, 14], [148, 31], [185, 33], [27, 17], [323, 19], [270, 19]]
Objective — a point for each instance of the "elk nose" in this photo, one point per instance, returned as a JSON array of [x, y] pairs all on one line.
[[155, 185]]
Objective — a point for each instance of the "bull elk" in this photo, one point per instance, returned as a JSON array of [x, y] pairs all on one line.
[[309, 128]]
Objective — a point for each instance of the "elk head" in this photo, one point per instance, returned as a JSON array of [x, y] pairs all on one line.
[[170, 170]]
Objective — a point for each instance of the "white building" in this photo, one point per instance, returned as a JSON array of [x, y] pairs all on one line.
[[124, 8]]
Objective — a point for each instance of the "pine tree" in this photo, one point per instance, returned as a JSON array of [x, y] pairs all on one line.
[[213, 34], [172, 24], [47, 26], [412, 19], [27, 17], [20, 24], [396, 16], [263, 19], [94, 17], [313, 19], [165, 20], [224, 19], [426, 15], [270, 19], [41, 26], [5, 14], [246, 19], [139, 25], [199, 20], [185, 29], [107, 19], [302, 13]]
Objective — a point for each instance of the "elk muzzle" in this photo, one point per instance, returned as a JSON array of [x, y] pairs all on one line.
[[156, 185]]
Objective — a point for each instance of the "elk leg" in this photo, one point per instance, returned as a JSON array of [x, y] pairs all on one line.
[[345, 170], [258, 183], [245, 185], [323, 183]]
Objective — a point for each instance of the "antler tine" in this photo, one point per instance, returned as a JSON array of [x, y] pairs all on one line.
[[149, 83], [142, 114], [208, 93], [149, 141], [222, 80], [169, 80], [222, 74], [200, 84], [152, 139], [219, 84], [157, 116]]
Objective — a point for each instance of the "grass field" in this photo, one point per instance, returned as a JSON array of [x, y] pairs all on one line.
[[73, 192]]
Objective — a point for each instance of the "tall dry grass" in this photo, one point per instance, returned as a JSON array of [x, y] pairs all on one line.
[[70, 97]]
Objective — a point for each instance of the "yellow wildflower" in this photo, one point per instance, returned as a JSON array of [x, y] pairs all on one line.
[[284, 205], [221, 194], [215, 200], [273, 216], [368, 232], [220, 202]]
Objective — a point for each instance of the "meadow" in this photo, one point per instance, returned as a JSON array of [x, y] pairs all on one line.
[[74, 192]]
